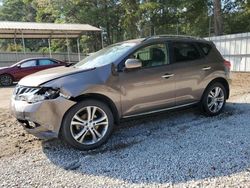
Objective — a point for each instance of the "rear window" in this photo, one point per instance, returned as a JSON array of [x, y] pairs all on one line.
[[206, 48], [44, 62], [185, 52]]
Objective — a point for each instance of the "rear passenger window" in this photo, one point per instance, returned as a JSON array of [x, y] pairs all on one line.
[[44, 62], [206, 48], [185, 52]]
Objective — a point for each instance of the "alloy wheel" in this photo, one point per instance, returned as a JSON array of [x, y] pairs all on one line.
[[216, 99], [5, 80], [89, 125]]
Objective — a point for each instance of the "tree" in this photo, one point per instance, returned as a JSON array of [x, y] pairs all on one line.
[[17, 10], [127, 19], [236, 16], [218, 22]]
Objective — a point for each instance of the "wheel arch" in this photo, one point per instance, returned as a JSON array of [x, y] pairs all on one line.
[[101, 98], [7, 73], [221, 80]]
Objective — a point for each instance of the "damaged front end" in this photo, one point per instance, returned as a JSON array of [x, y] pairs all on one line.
[[40, 110], [40, 101]]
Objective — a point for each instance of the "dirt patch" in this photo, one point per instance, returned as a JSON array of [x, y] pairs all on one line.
[[5, 96], [13, 139], [240, 83]]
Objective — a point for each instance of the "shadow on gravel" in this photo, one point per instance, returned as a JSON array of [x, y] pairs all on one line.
[[167, 148]]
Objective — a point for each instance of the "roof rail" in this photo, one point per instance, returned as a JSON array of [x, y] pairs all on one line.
[[172, 36]]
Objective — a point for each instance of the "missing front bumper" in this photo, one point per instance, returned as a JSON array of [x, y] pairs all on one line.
[[37, 130], [42, 119]]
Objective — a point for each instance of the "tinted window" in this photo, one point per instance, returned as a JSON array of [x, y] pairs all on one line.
[[153, 55], [185, 52], [43, 62], [206, 48], [31, 63]]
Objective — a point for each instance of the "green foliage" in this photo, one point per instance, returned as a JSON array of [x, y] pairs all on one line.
[[9, 46], [17, 10], [238, 21], [126, 19]]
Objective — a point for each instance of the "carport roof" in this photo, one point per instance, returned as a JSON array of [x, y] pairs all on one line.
[[43, 30]]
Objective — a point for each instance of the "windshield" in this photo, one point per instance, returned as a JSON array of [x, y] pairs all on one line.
[[105, 56]]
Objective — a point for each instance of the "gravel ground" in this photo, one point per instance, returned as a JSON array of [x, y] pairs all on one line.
[[177, 149]]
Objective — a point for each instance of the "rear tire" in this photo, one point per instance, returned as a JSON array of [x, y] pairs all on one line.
[[214, 99], [6, 80], [87, 125]]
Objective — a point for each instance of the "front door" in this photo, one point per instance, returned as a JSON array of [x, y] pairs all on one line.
[[151, 87], [26, 68]]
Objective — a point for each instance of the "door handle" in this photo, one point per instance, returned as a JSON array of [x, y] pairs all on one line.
[[167, 76], [206, 68]]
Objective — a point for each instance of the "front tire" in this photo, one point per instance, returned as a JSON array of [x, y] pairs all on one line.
[[87, 125], [6, 80], [214, 99]]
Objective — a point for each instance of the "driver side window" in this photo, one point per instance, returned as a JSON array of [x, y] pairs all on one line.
[[153, 55], [31, 63]]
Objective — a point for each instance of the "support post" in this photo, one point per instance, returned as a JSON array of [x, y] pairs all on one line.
[[78, 49], [23, 45], [67, 39], [49, 48], [15, 45]]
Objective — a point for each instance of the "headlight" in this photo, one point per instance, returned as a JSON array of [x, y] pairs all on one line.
[[39, 94]]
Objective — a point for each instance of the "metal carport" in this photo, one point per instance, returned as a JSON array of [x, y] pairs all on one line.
[[31, 30]]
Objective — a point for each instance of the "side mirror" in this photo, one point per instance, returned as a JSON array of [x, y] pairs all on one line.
[[133, 63], [18, 66]]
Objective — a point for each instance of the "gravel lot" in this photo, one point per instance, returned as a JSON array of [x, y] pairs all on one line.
[[179, 149]]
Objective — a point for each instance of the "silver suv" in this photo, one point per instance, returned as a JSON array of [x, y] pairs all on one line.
[[81, 103]]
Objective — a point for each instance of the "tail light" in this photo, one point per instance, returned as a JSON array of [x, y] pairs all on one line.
[[227, 64]]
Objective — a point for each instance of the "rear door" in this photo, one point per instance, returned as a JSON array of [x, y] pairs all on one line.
[[150, 87], [190, 68], [46, 63]]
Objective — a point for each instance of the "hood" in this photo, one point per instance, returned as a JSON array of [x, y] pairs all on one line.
[[47, 75], [76, 84]]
